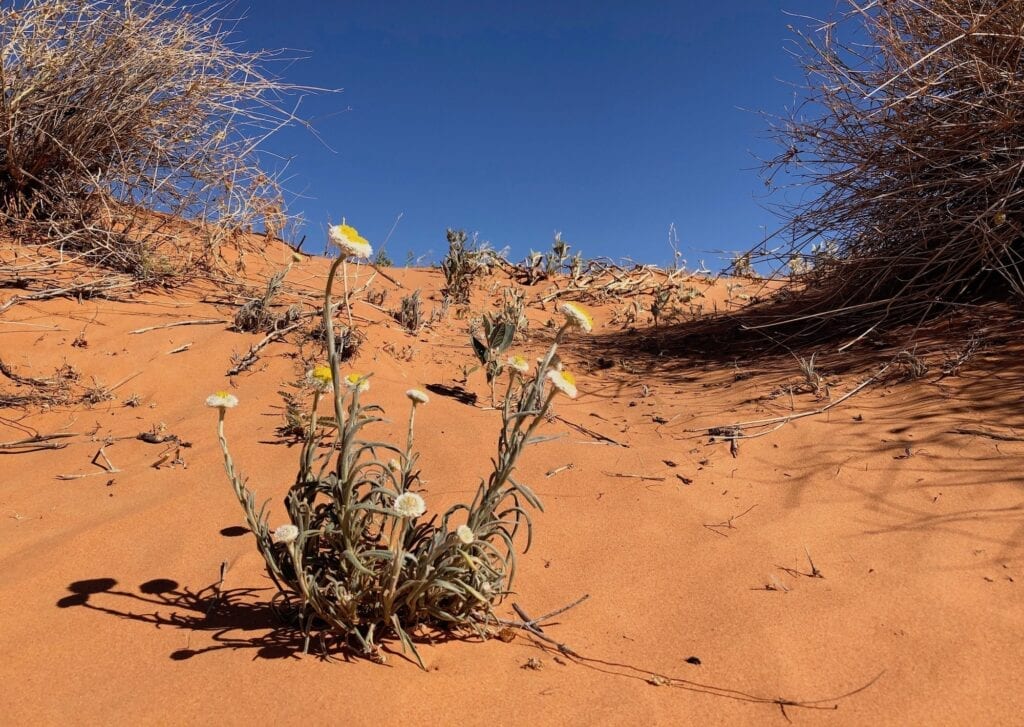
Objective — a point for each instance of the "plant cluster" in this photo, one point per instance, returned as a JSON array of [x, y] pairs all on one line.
[[463, 264], [543, 266], [257, 314], [410, 312], [362, 557]]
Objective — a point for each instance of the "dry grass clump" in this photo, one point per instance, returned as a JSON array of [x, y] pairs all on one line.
[[113, 108], [907, 147]]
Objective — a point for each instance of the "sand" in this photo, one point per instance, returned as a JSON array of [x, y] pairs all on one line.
[[865, 562]]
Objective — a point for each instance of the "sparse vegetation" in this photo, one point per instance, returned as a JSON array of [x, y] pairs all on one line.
[[114, 109]]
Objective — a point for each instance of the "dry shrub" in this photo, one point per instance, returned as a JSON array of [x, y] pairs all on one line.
[[907, 149], [112, 109]]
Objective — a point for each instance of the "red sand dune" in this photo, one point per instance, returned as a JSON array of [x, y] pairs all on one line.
[[916, 533]]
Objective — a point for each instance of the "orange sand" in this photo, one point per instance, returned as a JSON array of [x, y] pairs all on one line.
[[921, 555]]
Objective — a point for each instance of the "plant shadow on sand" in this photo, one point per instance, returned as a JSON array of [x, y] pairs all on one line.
[[235, 621], [233, 618]]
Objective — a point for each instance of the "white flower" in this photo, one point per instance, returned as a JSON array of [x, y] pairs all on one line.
[[357, 382], [465, 534], [222, 400], [286, 534], [564, 382], [577, 315], [347, 239], [519, 363], [409, 504], [393, 465], [417, 396]]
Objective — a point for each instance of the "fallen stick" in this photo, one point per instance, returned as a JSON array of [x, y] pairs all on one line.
[[199, 322], [589, 432], [784, 419], [985, 433], [251, 355], [624, 475], [38, 442]]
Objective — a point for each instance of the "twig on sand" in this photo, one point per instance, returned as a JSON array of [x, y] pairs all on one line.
[[533, 625], [626, 475], [83, 288], [35, 443], [734, 432], [106, 466], [589, 432], [198, 322], [727, 524], [556, 470], [24, 380], [252, 355], [1000, 436]]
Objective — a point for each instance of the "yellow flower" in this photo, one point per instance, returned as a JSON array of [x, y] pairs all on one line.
[[520, 364], [577, 315], [1000, 218], [319, 377], [564, 381], [347, 239], [357, 382], [222, 400]]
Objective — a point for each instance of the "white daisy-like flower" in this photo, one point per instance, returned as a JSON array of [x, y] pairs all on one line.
[[409, 504], [286, 534], [357, 382], [417, 396], [564, 381], [320, 378], [465, 534], [222, 400], [347, 239], [519, 363], [577, 315]]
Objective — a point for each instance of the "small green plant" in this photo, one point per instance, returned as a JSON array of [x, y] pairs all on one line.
[[542, 266], [360, 559], [382, 259], [257, 314], [513, 310], [497, 337], [463, 264], [813, 380], [410, 312], [741, 266]]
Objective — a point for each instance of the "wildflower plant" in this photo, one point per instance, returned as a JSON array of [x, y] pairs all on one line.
[[364, 554]]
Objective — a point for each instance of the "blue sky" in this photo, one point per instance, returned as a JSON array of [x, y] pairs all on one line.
[[604, 120]]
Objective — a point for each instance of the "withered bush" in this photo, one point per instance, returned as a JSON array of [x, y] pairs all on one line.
[[907, 150], [114, 109]]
